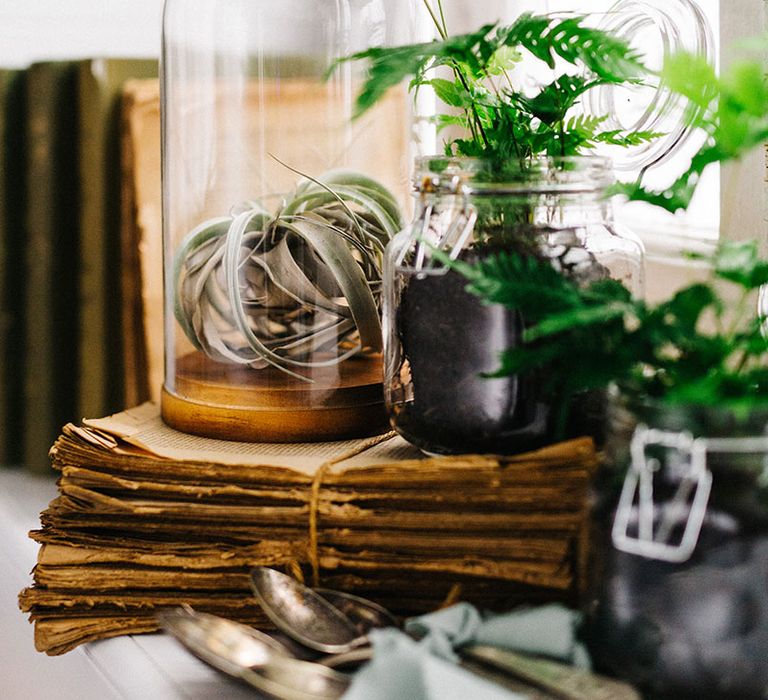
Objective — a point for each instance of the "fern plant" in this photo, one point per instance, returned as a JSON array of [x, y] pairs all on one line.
[[505, 125], [515, 154], [589, 336], [510, 129]]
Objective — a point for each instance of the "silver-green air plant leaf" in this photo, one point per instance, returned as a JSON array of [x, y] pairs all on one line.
[[294, 290]]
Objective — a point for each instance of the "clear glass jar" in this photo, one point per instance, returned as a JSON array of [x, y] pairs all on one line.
[[679, 602], [439, 339], [277, 206], [656, 28]]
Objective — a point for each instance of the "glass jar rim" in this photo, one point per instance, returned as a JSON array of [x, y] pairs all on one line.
[[540, 174]]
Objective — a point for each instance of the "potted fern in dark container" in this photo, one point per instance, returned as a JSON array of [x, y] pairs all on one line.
[[519, 178], [680, 602]]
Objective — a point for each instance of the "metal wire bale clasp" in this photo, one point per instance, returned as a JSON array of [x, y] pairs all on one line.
[[637, 496], [688, 459], [452, 238]]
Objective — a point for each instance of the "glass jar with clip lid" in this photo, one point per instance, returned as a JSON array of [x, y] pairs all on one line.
[[441, 342], [679, 604], [440, 339]]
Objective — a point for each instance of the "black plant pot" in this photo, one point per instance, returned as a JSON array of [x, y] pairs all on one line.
[[450, 340], [698, 628]]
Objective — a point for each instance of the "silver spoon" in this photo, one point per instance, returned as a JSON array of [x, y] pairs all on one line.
[[251, 656], [290, 604], [303, 614]]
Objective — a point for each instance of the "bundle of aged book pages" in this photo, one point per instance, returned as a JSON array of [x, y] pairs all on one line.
[[148, 518]]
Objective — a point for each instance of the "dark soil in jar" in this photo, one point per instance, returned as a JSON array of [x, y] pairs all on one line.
[[450, 339], [698, 629]]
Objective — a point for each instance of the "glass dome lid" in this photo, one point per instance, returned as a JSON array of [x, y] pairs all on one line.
[[657, 29], [277, 207]]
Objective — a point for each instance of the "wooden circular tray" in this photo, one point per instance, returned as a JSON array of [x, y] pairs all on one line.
[[229, 402]]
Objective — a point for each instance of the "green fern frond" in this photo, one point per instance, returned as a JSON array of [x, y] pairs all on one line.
[[548, 37], [590, 336], [389, 66], [584, 123], [555, 100], [522, 282], [618, 137]]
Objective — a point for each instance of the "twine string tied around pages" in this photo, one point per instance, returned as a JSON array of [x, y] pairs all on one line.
[[314, 498]]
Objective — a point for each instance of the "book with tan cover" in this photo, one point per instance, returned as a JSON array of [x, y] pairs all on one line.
[[141, 242], [99, 93]]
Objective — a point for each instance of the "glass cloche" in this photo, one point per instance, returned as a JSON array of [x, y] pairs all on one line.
[[277, 207]]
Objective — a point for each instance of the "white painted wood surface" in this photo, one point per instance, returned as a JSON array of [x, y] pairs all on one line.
[[146, 667]]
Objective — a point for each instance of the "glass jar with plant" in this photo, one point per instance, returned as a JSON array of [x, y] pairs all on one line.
[[440, 340], [519, 178], [680, 605]]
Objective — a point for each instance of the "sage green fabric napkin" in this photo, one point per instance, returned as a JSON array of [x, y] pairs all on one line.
[[427, 669]]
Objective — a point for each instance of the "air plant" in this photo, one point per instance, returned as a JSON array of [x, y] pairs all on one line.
[[295, 289]]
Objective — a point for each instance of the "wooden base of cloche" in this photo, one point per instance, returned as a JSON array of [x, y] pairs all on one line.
[[229, 402]]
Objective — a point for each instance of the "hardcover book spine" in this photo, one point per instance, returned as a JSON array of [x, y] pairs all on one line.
[[12, 213], [52, 255]]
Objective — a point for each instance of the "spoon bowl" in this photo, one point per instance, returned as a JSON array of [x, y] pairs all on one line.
[[303, 614], [251, 656], [225, 644], [363, 613]]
